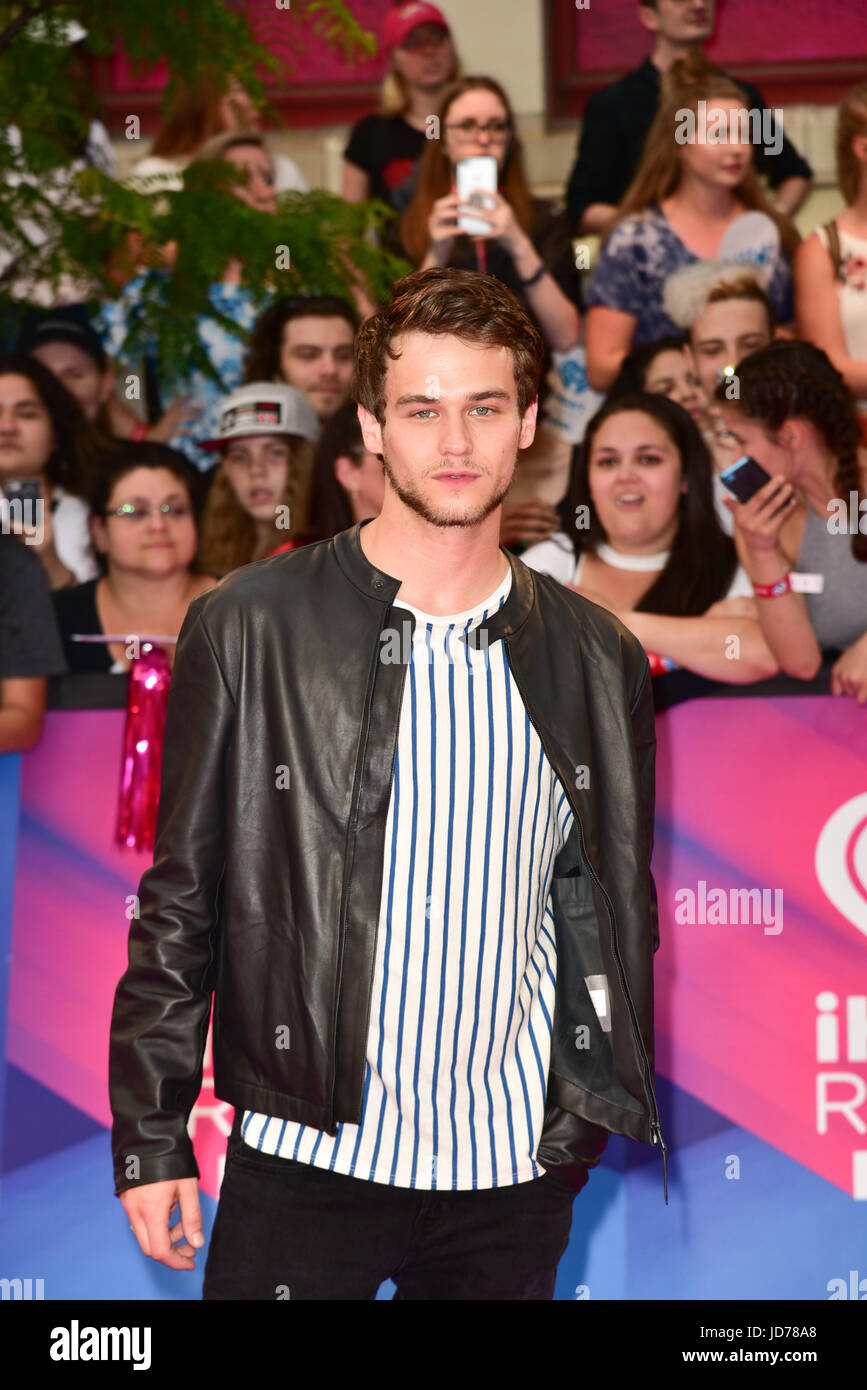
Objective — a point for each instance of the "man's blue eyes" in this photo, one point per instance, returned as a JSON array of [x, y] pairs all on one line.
[[427, 410]]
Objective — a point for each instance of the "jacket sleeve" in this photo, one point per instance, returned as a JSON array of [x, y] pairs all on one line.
[[572, 1146], [162, 1003], [644, 732]]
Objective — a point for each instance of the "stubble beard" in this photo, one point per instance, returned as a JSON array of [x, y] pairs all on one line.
[[413, 499]]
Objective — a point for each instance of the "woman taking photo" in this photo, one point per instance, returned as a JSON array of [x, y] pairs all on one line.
[[527, 247], [42, 438], [144, 509], [640, 537], [796, 417], [696, 200]]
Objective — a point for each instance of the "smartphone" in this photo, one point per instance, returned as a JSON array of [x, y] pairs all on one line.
[[744, 478], [27, 489], [475, 176]]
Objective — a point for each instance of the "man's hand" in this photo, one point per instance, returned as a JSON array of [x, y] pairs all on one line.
[[149, 1208]]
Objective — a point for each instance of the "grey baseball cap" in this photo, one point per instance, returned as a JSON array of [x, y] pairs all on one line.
[[265, 407]]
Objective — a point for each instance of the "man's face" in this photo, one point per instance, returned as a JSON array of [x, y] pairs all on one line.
[[725, 332], [680, 21], [452, 429], [316, 357]]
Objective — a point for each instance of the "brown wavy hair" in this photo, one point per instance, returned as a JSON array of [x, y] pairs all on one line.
[[443, 300], [227, 536], [435, 175], [788, 380], [851, 122], [690, 80], [192, 118]]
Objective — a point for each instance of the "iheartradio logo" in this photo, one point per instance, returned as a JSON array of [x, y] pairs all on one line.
[[841, 860]]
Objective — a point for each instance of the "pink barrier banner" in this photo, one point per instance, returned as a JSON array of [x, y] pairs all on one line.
[[761, 869], [761, 975]]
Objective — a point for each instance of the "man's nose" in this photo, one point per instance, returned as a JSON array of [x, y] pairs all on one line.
[[455, 436]]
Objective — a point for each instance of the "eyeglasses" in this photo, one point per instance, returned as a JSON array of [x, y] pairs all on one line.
[[469, 129], [134, 511]]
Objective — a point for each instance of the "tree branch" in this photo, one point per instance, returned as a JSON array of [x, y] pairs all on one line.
[[21, 21]]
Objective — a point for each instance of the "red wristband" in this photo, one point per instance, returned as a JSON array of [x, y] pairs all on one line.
[[782, 586], [139, 431]]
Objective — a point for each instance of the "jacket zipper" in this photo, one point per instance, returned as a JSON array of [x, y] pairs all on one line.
[[353, 818], [655, 1128], [350, 845]]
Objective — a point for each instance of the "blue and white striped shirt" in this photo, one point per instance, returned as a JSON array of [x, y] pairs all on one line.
[[463, 992]]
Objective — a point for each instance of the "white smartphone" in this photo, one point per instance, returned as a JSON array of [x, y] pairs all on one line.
[[474, 177]]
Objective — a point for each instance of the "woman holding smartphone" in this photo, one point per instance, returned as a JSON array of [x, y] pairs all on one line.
[[524, 245], [519, 240], [640, 537], [41, 428], [802, 536]]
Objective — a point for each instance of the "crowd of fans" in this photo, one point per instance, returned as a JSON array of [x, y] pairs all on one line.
[[706, 330]]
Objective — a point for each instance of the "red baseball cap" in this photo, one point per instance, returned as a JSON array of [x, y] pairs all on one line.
[[402, 19]]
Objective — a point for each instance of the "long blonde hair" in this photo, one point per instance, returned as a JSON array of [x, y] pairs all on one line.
[[691, 79], [227, 535], [851, 122]]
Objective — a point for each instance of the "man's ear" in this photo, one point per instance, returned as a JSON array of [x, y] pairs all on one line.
[[345, 471], [528, 424], [648, 17], [371, 431]]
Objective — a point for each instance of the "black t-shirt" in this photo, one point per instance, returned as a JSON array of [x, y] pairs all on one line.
[[29, 641], [549, 233], [615, 127], [389, 151], [77, 612]]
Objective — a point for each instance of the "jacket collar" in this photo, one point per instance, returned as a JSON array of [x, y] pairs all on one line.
[[375, 583]]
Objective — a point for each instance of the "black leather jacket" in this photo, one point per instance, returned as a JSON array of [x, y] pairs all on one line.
[[265, 888]]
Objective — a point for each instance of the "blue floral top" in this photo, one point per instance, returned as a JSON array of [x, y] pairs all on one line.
[[644, 250], [224, 349]]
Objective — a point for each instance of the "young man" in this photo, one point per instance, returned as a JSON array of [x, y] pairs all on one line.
[[404, 831], [306, 341], [618, 118]]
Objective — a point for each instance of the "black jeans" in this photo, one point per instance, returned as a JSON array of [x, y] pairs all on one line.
[[285, 1229]]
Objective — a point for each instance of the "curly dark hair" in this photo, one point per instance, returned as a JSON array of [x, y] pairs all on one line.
[[64, 467], [262, 360], [788, 379], [703, 560]]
